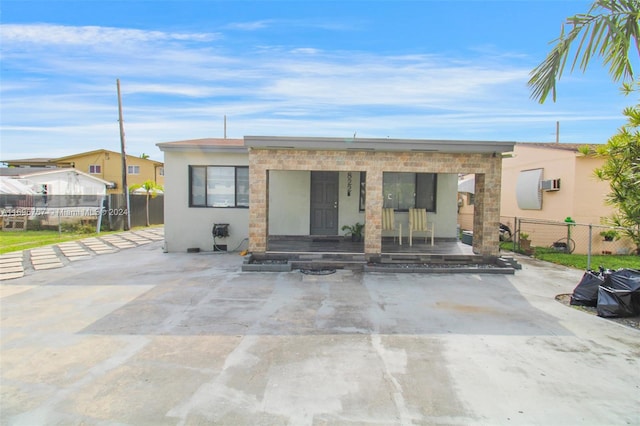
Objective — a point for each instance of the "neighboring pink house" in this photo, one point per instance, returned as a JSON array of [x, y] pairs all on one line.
[[545, 181], [565, 179]]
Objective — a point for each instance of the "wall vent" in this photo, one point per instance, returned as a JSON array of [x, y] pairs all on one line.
[[550, 185]]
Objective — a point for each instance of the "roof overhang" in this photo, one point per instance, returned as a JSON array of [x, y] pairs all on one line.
[[204, 145], [376, 144], [336, 144]]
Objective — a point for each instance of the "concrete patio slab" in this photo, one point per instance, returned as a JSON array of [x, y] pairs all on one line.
[[141, 337]]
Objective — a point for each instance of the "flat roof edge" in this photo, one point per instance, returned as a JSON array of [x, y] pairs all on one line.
[[167, 147], [377, 144]]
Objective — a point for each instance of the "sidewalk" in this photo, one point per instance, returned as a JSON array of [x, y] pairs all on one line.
[[20, 263]]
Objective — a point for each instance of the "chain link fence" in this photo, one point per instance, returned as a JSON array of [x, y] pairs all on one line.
[[75, 212], [568, 237]]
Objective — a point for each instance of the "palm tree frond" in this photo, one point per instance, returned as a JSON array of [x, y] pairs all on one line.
[[608, 30]]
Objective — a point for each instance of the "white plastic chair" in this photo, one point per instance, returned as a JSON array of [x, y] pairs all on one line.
[[418, 223], [389, 224]]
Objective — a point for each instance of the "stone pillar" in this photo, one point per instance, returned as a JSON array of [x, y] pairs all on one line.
[[486, 219], [478, 213], [258, 201], [373, 213]]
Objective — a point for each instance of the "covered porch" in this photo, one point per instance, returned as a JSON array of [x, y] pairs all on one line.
[[282, 188]]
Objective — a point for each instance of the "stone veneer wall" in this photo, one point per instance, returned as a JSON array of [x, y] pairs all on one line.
[[486, 167]]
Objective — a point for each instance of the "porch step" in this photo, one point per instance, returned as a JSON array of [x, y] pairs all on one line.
[[318, 261], [354, 265], [508, 261], [441, 259], [439, 263], [424, 263], [339, 257]]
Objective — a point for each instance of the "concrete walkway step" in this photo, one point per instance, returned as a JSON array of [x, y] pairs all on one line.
[[20, 263]]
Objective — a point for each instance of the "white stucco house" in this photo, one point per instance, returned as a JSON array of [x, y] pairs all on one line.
[[268, 187]]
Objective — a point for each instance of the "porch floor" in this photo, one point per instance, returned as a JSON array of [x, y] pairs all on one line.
[[340, 244]]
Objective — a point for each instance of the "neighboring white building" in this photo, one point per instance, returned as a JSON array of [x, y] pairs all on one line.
[[51, 181], [45, 193], [270, 187]]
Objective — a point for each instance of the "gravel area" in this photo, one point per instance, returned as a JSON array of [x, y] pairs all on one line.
[[633, 322], [436, 265]]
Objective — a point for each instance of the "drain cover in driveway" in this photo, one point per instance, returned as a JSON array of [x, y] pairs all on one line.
[[318, 271]]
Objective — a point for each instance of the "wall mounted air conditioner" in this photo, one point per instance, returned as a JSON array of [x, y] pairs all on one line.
[[550, 185]]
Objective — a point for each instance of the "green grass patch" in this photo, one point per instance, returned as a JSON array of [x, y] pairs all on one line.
[[579, 261], [25, 240]]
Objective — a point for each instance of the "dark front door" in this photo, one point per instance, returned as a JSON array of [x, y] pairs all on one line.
[[324, 203]]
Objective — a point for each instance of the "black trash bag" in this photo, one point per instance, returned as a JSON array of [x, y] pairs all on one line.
[[614, 303], [619, 295], [586, 292], [623, 279], [626, 280]]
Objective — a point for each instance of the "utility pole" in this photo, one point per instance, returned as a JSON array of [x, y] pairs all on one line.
[[125, 187]]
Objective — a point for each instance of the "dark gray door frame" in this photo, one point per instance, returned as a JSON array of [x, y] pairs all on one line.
[[324, 203]]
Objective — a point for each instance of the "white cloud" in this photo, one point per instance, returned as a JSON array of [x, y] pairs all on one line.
[[305, 51], [263, 24], [60, 91], [47, 34], [250, 26]]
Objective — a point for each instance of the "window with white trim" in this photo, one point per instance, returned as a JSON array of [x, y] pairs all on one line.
[[218, 186], [133, 170], [95, 169]]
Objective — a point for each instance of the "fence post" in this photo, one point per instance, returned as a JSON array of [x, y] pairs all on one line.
[[100, 214], [516, 237], [589, 248], [513, 236]]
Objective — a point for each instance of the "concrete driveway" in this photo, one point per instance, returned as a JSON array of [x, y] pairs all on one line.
[[140, 337]]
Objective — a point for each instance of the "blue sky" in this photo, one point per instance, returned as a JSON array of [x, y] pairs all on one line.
[[400, 69]]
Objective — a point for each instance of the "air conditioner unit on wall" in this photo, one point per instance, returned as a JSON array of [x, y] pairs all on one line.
[[550, 185]]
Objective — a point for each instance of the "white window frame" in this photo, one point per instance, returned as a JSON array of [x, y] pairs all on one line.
[[219, 186]]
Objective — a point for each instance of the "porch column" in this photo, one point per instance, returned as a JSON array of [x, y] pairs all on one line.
[[373, 213], [486, 219], [258, 207]]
